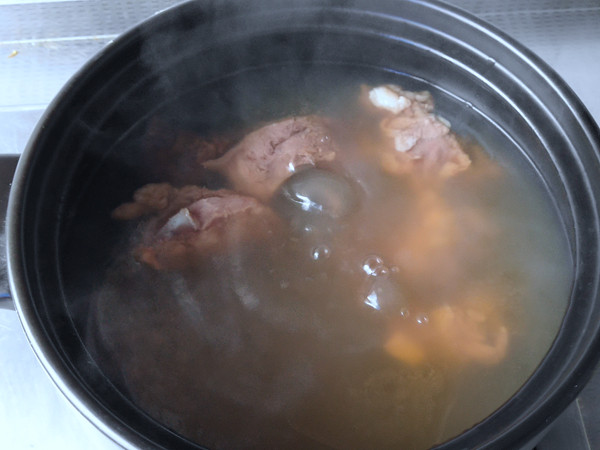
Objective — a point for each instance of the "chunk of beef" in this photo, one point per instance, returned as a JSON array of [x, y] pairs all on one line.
[[186, 223], [215, 223], [162, 199], [261, 161], [421, 141]]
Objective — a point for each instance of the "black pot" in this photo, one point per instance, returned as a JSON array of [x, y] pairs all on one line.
[[82, 162]]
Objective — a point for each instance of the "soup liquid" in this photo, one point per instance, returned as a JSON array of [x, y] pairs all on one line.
[[383, 330]]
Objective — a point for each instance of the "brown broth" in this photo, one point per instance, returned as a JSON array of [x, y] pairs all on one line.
[[290, 343]]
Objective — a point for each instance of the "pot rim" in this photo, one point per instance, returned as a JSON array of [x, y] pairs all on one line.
[[68, 383]]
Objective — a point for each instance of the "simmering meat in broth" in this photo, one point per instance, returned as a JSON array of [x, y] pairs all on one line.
[[352, 283]]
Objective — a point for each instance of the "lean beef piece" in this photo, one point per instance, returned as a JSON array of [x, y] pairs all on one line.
[[422, 142], [261, 161], [193, 222]]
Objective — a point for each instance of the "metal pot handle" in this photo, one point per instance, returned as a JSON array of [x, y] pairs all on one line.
[[6, 301], [8, 163]]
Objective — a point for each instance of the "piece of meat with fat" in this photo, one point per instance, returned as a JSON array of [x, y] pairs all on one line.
[[160, 198], [213, 224], [441, 155], [421, 142], [263, 159]]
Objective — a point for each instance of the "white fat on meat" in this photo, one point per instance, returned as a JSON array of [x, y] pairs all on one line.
[[421, 142], [213, 224], [182, 221], [389, 98]]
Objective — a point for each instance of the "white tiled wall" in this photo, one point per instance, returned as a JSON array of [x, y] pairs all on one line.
[[43, 43]]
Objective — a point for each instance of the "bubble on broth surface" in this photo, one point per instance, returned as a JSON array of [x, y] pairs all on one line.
[[374, 266], [320, 252], [316, 193], [384, 294]]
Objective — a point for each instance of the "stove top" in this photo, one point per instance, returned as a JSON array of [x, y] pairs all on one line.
[[44, 42]]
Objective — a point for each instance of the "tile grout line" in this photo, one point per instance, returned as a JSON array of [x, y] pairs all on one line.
[[61, 39]]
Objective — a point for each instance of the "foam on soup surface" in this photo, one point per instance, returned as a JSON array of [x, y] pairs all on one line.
[[366, 280]]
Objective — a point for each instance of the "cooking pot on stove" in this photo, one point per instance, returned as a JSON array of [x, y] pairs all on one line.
[[78, 165]]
